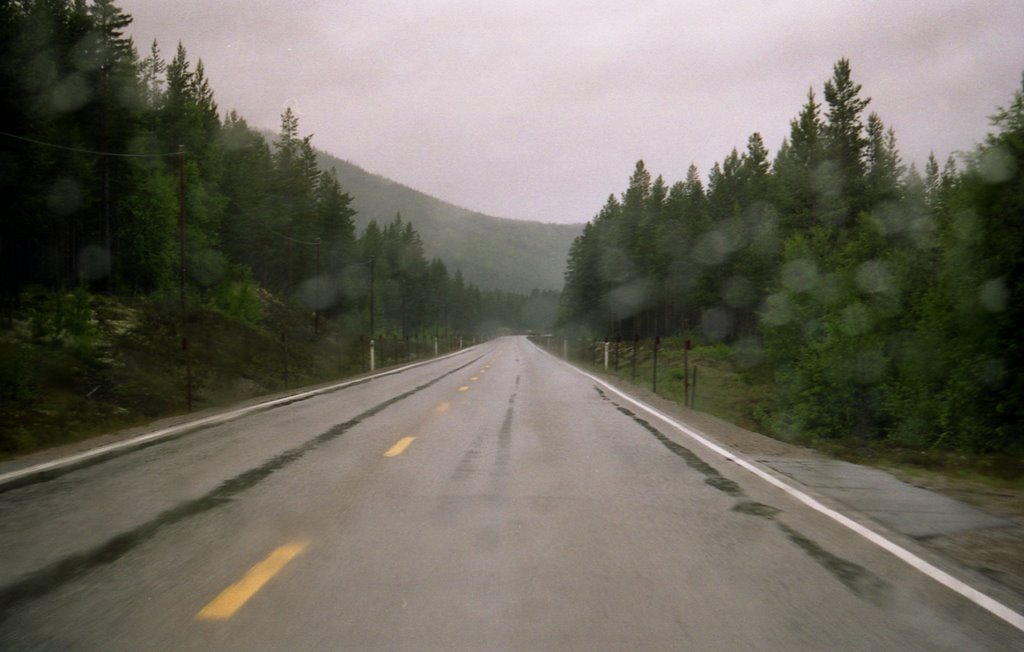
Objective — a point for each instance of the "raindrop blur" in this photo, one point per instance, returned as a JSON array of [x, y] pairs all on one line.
[[8, 170], [40, 72], [856, 319], [65, 197], [800, 275], [779, 310], [867, 367], [93, 263], [739, 292], [716, 324], [993, 295], [996, 165], [318, 292], [825, 180], [712, 248], [874, 276], [890, 218], [749, 352], [629, 299], [87, 54], [207, 266], [992, 372], [70, 94], [965, 225]]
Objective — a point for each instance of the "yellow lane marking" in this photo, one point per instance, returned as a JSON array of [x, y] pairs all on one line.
[[474, 378], [464, 388], [235, 596], [399, 447], [441, 409]]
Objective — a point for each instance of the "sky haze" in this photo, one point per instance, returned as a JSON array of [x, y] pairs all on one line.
[[539, 110]]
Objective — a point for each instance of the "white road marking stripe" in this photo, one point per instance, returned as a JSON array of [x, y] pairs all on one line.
[[977, 597], [135, 442]]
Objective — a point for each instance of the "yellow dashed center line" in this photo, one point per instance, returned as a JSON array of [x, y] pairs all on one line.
[[464, 388], [399, 447], [474, 378], [441, 409], [235, 596]]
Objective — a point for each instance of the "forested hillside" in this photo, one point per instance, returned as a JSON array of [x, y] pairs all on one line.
[[887, 302], [492, 252], [142, 228], [120, 173]]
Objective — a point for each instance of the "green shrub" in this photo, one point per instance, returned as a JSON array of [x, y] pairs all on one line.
[[65, 318], [17, 377]]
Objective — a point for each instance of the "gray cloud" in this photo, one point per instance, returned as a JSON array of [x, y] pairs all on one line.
[[539, 110]]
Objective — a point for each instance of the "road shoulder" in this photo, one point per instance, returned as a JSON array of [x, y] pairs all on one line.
[[977, 528]]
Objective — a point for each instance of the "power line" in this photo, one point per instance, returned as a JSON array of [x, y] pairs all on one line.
[[79, 150], [289, 238]]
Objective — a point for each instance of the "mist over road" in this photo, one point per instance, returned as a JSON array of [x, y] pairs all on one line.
[[492, 500]]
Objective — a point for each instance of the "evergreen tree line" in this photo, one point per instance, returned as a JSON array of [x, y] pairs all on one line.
[[886, 303], [99, 144]]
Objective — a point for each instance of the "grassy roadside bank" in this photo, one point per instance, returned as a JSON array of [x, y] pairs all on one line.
[[734, 384], [76, 365]]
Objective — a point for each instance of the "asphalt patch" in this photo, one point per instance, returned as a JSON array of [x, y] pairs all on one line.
[[858, 579], [855, 577]]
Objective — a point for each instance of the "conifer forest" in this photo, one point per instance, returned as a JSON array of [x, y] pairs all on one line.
[[884, 300]]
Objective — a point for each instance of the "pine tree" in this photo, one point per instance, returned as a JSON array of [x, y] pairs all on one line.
[[883, 165], [151, 78], [796, 165], [248, 229], [845, 147], [754, 171]]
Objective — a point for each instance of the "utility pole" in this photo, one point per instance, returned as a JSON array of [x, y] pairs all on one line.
[[181, 277], [687, 345], [654, 363], [181, 227], [319, 292], [371, 298]]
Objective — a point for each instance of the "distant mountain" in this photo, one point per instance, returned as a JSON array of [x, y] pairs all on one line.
[[492, 252]]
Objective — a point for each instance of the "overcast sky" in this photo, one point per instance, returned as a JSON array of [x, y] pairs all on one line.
[[539, 109]]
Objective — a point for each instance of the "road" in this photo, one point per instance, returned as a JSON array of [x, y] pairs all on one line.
[[493, 500]]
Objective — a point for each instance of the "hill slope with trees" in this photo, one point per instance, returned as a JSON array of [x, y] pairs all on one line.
[[886, 303], [153, 248], [492, 252]]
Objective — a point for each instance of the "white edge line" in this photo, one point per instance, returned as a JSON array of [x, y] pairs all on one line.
[[135, 442], [942, 577]]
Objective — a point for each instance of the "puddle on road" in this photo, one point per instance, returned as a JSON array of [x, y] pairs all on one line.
[[49, 578], [858, 579]]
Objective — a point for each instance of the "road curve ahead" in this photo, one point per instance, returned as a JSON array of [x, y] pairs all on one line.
[[494, 500]]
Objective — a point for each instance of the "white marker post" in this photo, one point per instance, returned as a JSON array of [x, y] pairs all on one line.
[[373, 357]]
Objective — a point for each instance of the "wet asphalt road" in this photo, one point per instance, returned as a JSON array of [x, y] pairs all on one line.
[[495, 500]]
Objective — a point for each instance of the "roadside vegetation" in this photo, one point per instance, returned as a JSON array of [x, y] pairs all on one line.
[[883, 305], [736, 384], [145, 232]]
